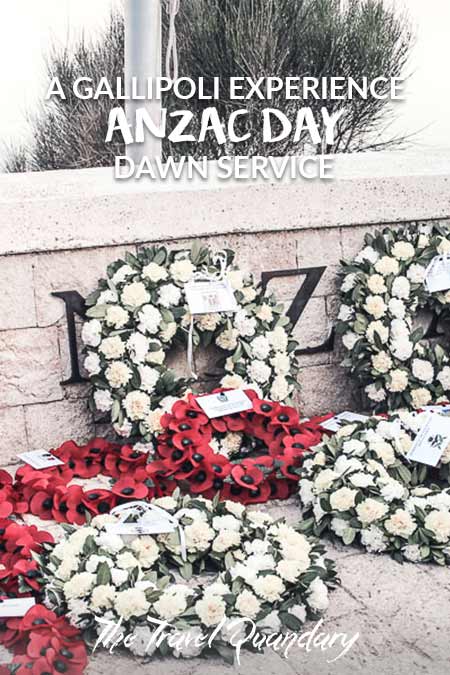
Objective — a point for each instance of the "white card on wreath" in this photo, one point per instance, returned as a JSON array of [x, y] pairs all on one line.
[[209, 297], [340, 420], [225, 403], [142, 527], [15, 607], [431, 441], [40, 459], [437, 275]]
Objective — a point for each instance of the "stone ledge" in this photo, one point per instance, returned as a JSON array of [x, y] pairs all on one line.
[[87, 208]]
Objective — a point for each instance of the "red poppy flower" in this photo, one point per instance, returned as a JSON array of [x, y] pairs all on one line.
[[266, 408], [285, 416], [186, 440], [68, 505], [247, 474], [189, 409], [127, 488], [99, 501]]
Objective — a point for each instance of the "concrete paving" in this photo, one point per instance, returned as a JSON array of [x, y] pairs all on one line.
[[401, 613]]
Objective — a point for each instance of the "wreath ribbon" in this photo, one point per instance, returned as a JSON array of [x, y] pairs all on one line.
[[142, 509]]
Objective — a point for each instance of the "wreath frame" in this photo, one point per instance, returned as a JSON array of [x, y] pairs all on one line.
[[382, 290], [360, 488], [139, 312]]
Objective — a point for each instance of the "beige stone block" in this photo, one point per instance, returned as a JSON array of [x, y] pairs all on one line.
[[69, 271], [13, 437], [17, 308], [313, 326], [49, 425], [30, 366], [326, 389]]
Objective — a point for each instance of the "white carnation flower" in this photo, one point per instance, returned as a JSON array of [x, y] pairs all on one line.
[[260, 347], [210, 610], [438, 522], [368, 254], [391, 490], [349, 340], [269, 587], [401, 524], [107, 296], [182, 270], [118, 374], [137, 405], [247, 604], [416, 274], [103, 597], [154, 272], [375, 306], [141, 644], [380, 329], [122, 273], [318, 595], [169, 295], [149, 377], [403, 250], [371, 510], [245, 325], [382, 362], [346, 313], [387, 265], [423, 370], [259, 371], [116, 316], [420, 397], [402, 349], [280, 388], [188, 644], [167, 333], [227, 340], [112, 347], [138, 347], [401, 288], [149, 319], [397, 308], [343, 499], [92, 363], [376, 284], [278, 338], [349, 282], [373, 539], [398, 380], [91, 333], [374, 393], [444, 378], [79, 585], [131, 602], [135, 295]]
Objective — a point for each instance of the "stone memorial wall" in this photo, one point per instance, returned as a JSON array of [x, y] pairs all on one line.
[[60, 230]]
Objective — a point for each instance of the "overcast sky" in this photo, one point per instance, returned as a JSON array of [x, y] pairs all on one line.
[[28, 27]]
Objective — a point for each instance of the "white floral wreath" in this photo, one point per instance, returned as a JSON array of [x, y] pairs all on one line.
[[237, 563], [139, 312], [359, 487], [382, 290]]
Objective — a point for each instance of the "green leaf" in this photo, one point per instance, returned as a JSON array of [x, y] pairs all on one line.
[[103, 574]]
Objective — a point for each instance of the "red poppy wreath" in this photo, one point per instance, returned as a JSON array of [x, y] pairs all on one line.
[[249, 457]]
